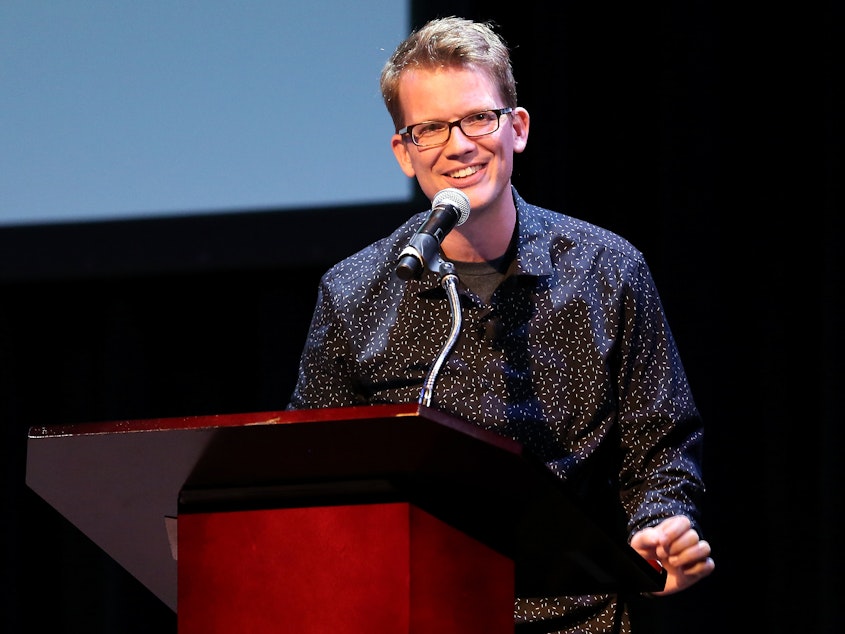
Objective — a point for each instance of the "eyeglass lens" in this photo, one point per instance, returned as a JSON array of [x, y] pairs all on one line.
[[437, 132]]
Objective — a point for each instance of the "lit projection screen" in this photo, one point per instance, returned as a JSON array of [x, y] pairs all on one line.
[[115, 109]]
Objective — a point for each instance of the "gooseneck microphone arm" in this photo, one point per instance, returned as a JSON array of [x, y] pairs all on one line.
[[449, 281], [450, 208]]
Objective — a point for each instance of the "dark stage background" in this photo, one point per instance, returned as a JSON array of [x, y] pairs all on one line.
[[711, 136]]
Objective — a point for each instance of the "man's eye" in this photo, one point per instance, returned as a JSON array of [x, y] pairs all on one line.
[[429, 128], [481, 116]]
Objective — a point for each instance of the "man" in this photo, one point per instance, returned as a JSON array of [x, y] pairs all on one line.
[[564, 345]]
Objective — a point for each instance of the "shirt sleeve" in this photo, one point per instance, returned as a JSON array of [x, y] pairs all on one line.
[[324, 376], [660, 425]]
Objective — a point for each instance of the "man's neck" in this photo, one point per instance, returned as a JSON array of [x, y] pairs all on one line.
[[481, 238]]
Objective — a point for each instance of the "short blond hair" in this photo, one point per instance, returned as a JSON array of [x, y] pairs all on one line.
[[449, 42]]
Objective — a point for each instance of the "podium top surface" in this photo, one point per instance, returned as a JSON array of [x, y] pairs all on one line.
[[119, 481]]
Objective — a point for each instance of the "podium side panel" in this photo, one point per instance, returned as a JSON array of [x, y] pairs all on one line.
[[458, 584]]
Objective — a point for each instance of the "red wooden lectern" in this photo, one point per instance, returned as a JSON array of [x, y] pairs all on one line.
[[381, 519]]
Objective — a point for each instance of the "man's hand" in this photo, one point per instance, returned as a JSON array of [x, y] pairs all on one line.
[[679, 550]]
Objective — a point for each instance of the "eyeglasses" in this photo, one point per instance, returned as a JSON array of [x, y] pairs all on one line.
[[431, 133]]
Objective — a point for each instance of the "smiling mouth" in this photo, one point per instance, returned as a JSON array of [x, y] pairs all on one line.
[[464, 172]]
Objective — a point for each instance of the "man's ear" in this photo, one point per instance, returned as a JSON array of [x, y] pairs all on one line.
[[521, 121], [403, 157]]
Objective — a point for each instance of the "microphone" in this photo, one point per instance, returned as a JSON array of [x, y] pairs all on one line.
[[449, 209]]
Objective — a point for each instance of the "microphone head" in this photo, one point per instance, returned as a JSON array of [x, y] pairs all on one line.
[[456, 198]]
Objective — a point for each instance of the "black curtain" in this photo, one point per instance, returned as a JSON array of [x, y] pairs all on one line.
[[710, 136]]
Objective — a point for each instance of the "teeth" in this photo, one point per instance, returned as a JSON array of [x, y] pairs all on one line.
[[463, 173]]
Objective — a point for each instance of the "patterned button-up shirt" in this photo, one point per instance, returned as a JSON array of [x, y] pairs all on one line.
[[572, 356]]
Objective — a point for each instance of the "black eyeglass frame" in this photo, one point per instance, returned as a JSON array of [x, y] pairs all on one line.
[[456, 124]]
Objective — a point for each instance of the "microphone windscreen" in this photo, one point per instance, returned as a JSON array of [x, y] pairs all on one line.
[[456, 198]]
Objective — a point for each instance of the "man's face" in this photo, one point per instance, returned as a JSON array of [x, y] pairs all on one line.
[[481, 166]]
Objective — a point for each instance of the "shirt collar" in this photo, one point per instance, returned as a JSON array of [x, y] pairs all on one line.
[[534, 240]]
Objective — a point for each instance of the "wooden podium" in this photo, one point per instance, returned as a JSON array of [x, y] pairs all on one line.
[[378, 519]]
